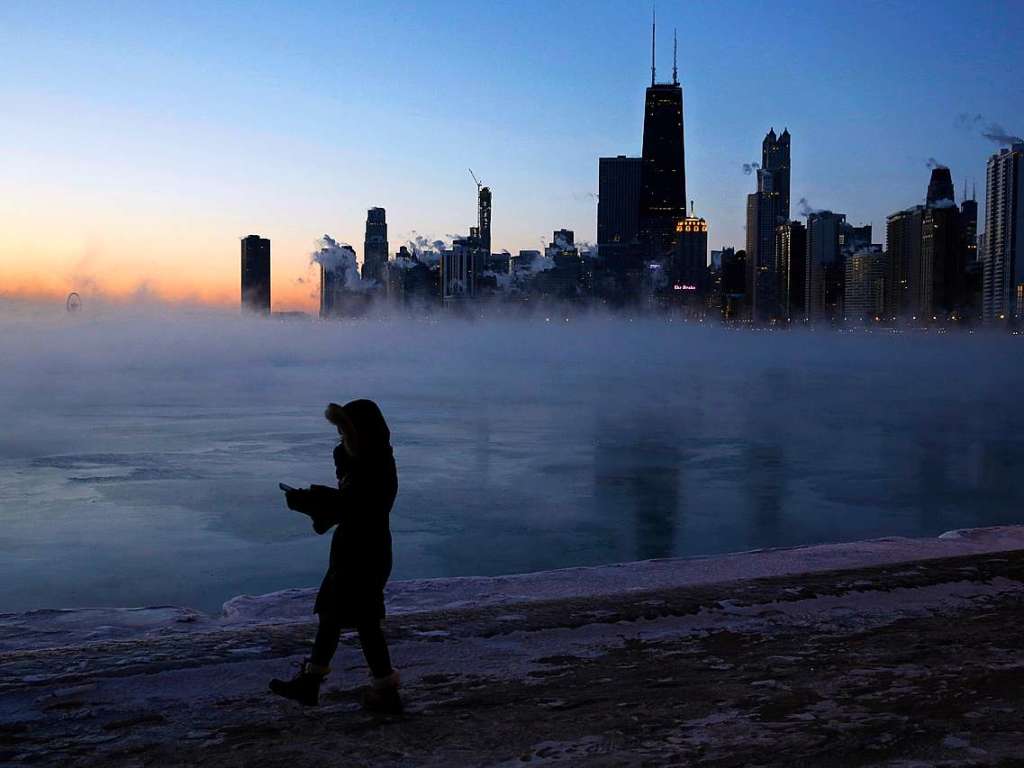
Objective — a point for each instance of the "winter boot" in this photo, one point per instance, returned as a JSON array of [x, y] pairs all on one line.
[[382, 695], [304, 687]]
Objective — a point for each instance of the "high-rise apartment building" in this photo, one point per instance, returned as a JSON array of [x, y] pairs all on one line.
[[1003, 266], [864, 285]]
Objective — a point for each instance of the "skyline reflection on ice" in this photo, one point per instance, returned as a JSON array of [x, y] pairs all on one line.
[[142, 447]]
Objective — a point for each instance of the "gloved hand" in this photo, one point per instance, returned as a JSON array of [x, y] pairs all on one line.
[[297, 499], [303, 500]]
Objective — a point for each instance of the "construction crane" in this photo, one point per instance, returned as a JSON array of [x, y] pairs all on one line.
[[478, 184]]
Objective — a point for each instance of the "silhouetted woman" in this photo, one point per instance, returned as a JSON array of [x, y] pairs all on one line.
[[352, 592]]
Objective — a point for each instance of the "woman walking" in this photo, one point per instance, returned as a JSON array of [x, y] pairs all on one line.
[[352, 592]]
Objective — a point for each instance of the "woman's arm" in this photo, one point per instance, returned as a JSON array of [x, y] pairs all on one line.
[[328, 505]]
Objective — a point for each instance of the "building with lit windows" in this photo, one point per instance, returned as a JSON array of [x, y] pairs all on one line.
[[688, 267], [663, 166], [1003, 265], [865, 282], [903, 259]]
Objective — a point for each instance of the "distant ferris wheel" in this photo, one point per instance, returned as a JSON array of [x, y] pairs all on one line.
[[73, 303]]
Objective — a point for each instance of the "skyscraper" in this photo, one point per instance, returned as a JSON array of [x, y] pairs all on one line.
[[824, 266], [791, 255], [763, 214], [1003, 268], [969, 228], [864, 284], [940, 186], [942, 261], [775, 160], [903, 262], [375, 246], [256, 274], [663, 169], [618, 209], [688, 268], [973, 266], [483, 220], [459, 267]]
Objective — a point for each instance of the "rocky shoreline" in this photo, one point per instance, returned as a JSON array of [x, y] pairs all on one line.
[[892, 652]]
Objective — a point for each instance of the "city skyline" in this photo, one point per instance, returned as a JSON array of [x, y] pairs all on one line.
[[97, 208]]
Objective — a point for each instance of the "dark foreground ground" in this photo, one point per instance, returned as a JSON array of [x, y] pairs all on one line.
[[918, 664]]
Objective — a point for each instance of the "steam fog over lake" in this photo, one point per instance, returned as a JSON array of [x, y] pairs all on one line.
[[141, 449]]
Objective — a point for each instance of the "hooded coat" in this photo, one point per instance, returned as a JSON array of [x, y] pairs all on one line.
[[352, 591]]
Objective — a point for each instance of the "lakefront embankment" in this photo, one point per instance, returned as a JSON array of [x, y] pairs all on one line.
[[890, 652]]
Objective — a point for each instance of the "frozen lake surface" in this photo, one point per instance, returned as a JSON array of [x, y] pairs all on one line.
[[141, 450]]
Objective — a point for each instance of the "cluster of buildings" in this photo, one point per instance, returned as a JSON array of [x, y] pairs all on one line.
[[652, 250], [934, 267]]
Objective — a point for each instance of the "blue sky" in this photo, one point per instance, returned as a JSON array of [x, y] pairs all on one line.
[[195, 123]]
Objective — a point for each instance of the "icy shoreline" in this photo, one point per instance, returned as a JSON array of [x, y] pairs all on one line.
[[50, 628], [888, 652]]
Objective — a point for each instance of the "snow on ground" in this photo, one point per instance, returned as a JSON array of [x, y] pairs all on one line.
[[885, 652], [47, 628]]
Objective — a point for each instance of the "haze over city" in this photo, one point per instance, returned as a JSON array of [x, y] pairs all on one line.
[[150, 140]]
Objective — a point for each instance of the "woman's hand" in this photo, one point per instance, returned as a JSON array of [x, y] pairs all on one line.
[[297, 499], [303, 500]]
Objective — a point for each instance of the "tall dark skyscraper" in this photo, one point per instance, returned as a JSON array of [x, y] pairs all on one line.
[[940, 186], [791, 254], [483, 220], [903, 260], [775, 160], [663, 171], [256, 274], [973, 266], [375, 246], [825, 270], [942, 261], [618, 208], [762, 268], [969, 227]]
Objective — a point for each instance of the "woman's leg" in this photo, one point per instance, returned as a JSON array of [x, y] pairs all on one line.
[[325, 644], [305, 686], [375, 649]]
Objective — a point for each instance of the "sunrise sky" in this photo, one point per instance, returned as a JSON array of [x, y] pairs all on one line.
[[142, 140]]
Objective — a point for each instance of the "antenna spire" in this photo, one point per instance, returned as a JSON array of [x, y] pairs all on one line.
[[654, 25], [675, 72]]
